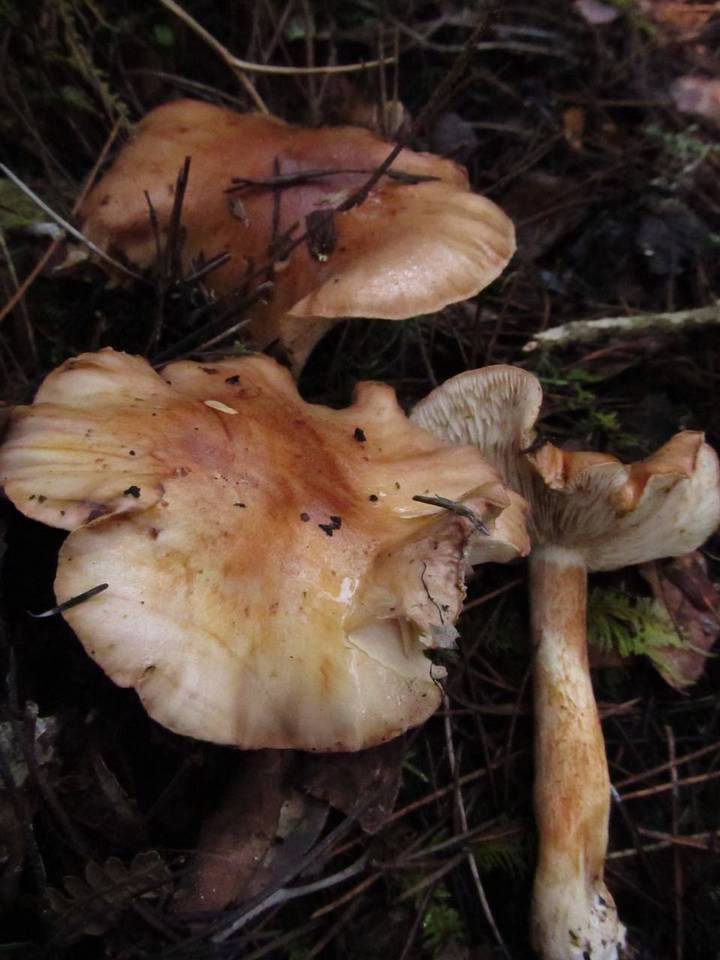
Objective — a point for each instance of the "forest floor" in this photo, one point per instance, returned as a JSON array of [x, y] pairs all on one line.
[[594, 126]]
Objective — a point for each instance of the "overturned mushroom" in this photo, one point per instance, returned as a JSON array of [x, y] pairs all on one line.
[[271, 582], [419, 241], [588, 512]]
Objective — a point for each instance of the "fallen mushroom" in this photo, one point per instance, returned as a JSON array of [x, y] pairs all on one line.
[[588, 512], [271, 582], [419, 241]]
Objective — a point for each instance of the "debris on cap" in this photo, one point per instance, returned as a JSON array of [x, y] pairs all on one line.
[[419, 241], [271, 582]]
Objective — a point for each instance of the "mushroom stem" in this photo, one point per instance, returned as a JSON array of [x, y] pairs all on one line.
[[573, 914]]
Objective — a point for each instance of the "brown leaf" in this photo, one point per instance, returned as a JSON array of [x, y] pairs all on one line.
[[261, 826], [239, 832], [372, 776], [681, 585], [538, 204], [679, 20]]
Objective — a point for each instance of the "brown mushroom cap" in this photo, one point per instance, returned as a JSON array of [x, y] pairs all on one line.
[[271, 581], [410, 248]]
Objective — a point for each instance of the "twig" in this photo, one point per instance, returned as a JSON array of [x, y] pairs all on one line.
[[587, 331], [419, 917], [245, 66], [677, 861], [285, 894], [698, 841], [673, 785], [479, 601], [347, 896], [644, 774], [462, 818], [67, 226], [297, 179], [45, 258], [23, 325]]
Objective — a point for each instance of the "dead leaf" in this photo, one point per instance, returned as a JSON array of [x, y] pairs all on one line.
[[538, 204], [238, 833], [261, 826], [679, 20], [93, 904], [370, 775], [683, 588], [698, 96]]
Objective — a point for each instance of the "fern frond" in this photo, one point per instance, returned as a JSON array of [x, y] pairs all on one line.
[[630, 626], [508, 854]]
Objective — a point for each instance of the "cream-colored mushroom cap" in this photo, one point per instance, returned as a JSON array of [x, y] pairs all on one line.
[[409, 248], [612, 514], [270, 580]]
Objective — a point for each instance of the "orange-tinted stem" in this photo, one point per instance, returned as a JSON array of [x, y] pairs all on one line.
[[573, 914]]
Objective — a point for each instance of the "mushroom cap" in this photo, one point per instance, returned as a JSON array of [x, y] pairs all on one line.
[[611, 514], [271, 581], [410, 248]]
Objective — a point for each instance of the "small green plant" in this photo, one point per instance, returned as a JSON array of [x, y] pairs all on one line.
[[442, 923], [574, 393], [630, 626], [507, 854], [682, 153]]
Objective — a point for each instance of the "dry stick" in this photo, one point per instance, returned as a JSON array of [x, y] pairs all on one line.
[[24, 327], [347, 896], [431, 878], [698, 841], [479, 601], [44, 259], [285, 894], [462, 816], [419, 917], [677, 862], [644, 774], [67, 226], [663, 787], [587, 331], [245, 66], [237, 66], [330, 934]]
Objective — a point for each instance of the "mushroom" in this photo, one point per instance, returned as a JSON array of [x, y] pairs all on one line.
[[419, 241], [588, 512], [269, 579]]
